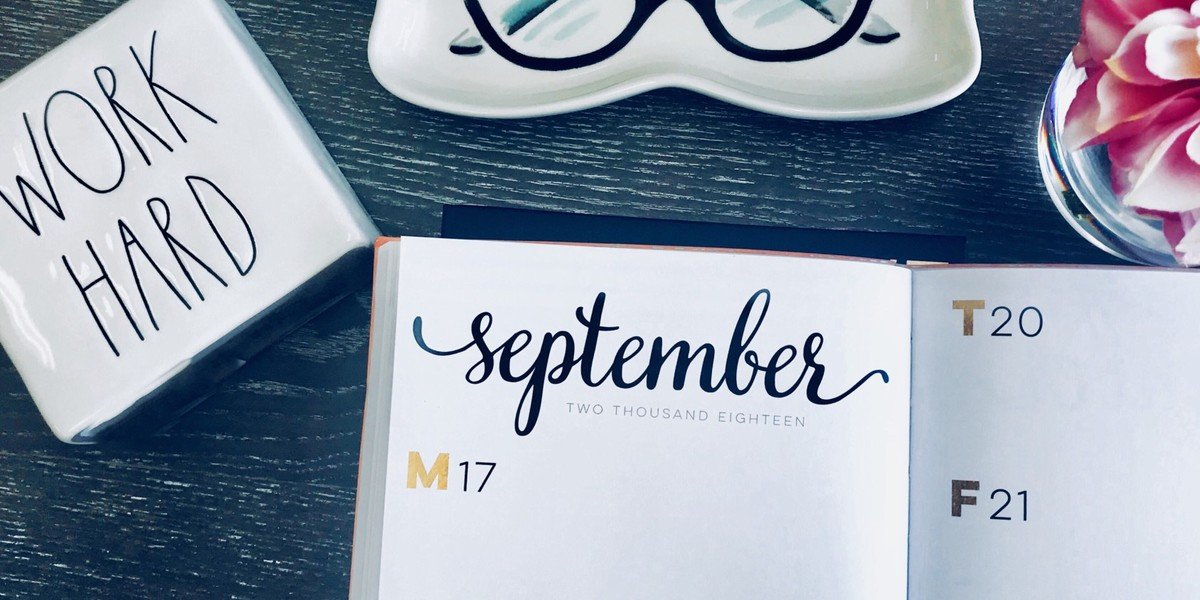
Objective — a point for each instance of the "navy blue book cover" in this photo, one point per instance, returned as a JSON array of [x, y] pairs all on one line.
[[512, 224]]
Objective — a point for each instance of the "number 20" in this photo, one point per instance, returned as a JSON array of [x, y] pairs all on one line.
[[1026, 322]]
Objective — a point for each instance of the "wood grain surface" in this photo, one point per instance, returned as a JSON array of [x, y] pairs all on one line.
[[252, 494]]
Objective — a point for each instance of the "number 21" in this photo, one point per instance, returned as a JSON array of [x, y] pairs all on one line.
[[1024, 495]]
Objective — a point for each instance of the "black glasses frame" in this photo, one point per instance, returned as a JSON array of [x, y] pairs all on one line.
[[642, 12]]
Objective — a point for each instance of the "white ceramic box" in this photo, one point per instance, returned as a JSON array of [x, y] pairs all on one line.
[[167, 212]]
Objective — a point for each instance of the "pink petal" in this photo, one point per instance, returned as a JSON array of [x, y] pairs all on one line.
[[1187, 248], [1079, 126], [1113, 109], [1172, 54], [1104, 25], [1130, 61], [1172, 225], [1192, 149], [1181, 233], [1106, 22], [1122, 181], [1129, 155], [1121, 102], [1171, 179], [1081, 55], [1140, 9]]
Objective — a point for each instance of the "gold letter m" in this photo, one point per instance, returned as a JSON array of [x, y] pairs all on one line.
[[439, 472]]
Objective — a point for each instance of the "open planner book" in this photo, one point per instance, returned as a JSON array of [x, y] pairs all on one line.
[[556, 421]]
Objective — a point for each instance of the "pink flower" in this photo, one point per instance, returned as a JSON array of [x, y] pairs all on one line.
[[1107, 22], [1141, 97]]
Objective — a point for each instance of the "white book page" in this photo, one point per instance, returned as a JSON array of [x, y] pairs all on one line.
[[1085, 419], [637, 492]]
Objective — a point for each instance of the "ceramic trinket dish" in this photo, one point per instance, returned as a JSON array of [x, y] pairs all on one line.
[[818, 59], [167, 212]]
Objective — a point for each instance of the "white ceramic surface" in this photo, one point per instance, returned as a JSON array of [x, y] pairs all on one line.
[[99, 308], [866, 59]]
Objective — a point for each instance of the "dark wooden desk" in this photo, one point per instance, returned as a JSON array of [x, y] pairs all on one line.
[[252, 495]]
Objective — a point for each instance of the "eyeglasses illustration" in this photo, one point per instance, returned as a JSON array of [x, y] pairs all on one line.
[[582, 33]]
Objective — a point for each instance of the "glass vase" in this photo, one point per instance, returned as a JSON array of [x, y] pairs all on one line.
[[1079, 182]]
